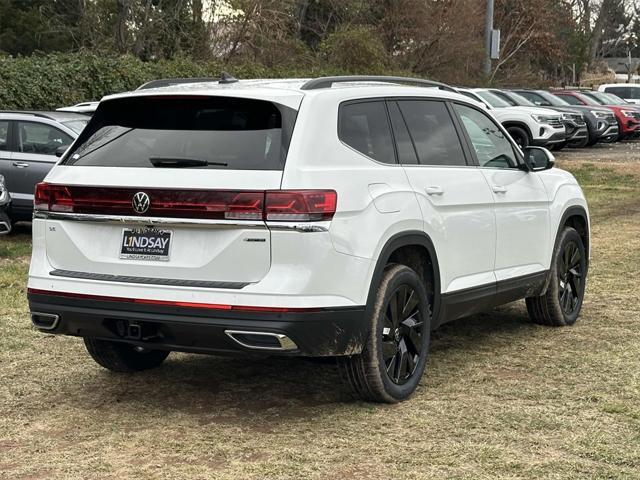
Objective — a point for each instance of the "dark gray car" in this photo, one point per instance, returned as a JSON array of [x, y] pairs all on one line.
[[601, 122], [5, 202], [28, 144]]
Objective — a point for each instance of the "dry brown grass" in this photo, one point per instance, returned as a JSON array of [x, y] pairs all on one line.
[[501, 399]]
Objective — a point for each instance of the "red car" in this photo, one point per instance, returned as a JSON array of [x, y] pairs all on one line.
[[628, 116]]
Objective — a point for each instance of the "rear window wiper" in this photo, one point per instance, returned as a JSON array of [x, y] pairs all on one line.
[[182, 162]]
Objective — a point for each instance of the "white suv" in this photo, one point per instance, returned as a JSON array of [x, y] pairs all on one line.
[[341, 216], [527, 126]]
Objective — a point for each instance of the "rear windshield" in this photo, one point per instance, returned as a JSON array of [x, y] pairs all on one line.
[[186, 132]]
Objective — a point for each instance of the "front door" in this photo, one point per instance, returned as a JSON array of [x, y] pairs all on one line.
[[520, 199]]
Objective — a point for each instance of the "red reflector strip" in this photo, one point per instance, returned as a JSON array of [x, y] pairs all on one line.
[[168, 303]]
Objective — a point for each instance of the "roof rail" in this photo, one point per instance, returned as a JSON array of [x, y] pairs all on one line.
[[167, 82], [29, 112], [327, 82], [225, 78]]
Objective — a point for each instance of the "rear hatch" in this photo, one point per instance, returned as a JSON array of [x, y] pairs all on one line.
[[168, 190]]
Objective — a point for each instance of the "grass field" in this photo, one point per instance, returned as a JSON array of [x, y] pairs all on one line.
[[502, 398]]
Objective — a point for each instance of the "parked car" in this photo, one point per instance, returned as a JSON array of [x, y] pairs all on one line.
[[28, 144], [630, 92], [5, 202], [576, 131], [526, 125], [627, 116], [601, 121], [300, 217], [87, 108]]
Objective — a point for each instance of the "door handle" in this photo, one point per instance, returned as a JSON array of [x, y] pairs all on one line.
[[499, 189], [20, 164], [435, 190]]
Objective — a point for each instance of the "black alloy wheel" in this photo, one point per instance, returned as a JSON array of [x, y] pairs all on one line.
[[561, 301], [395, 354], [402, 334], [570, 278]]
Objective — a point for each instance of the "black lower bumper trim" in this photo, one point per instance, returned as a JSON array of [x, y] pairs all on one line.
[[147, 280], [324, 332]]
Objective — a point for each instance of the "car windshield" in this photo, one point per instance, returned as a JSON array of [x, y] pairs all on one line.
[[520, 100], [597, 98], [491, 99], [553, 100], [613, 99], [76, 125]]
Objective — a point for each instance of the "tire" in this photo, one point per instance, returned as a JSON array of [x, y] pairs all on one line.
[[581, 143], [6, 226], [520, 136], [395, 354], [561, 304], [122, 357]]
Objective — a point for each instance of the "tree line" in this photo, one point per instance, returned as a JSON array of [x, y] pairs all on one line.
[[543, 41]]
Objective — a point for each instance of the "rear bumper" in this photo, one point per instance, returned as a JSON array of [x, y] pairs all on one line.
[[322, 332]]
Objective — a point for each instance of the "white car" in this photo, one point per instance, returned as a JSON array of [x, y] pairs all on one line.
[[88, 108], [341, 216], [527, 125], [630, 92]]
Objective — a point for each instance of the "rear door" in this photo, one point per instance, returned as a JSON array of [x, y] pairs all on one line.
[[34, 155], [455, 200], [169, 190], [521, 201]]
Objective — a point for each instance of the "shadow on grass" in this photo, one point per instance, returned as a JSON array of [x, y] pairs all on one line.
[[266, 391]]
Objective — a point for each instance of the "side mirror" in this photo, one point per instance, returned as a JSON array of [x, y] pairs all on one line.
[[538, 158], [60, 150]]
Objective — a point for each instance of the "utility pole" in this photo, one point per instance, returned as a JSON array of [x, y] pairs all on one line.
[[488, 28]]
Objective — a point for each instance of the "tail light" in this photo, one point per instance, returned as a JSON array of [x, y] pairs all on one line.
[[273, 205], [300, 205]]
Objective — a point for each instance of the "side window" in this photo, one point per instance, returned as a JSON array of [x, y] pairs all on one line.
[[432, 132], [4, 135], [40, 138], [404, 145], [492, 147], [364, 126]]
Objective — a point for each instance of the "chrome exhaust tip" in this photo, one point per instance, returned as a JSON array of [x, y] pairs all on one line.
[[262, 340], [45, 321]]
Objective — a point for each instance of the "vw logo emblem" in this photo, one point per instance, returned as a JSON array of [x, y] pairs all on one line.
[[141, 202]]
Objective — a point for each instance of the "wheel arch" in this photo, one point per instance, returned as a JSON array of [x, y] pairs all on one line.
[[576, 217], [398, 250], [513, 123]]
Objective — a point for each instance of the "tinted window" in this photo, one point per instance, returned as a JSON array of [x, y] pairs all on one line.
[[571, 99], [4, 135], [170, 132], [432, 131], [364, 126], [535, 98], [40, 138], [404, 145], [504, 97], [492, 147]]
